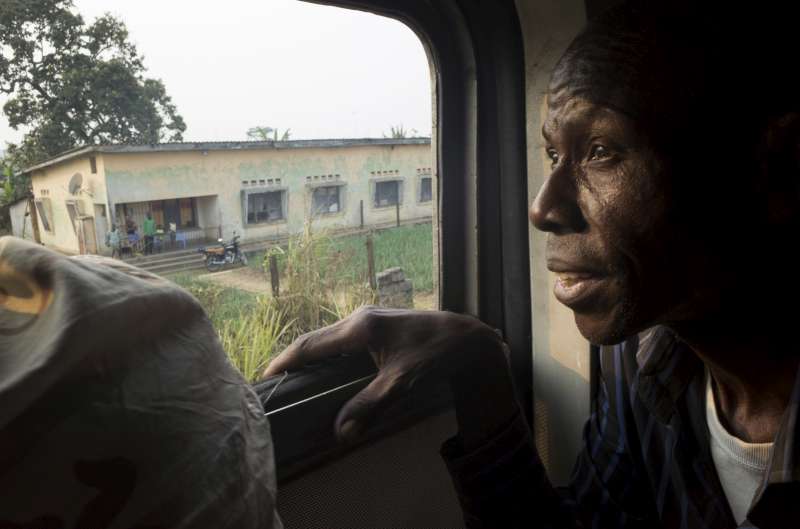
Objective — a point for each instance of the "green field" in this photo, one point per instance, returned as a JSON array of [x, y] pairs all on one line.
[[409, 247]]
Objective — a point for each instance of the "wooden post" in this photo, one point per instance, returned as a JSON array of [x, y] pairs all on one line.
[[397, 209], [274, 277], [362, 214], [371, 262]]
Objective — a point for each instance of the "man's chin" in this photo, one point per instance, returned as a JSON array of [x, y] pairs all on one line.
[[602, 329]]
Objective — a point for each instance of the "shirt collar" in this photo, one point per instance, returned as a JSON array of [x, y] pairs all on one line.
[[667, 367]]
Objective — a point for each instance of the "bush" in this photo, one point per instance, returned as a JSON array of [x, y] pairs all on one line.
[[314, 292]]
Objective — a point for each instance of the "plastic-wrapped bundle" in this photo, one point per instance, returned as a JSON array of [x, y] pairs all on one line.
[[119, 407]]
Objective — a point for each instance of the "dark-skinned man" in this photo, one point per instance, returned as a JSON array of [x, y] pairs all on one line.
[[672, 210]]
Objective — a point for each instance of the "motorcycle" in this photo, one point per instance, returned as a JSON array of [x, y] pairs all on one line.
[[218, 256]]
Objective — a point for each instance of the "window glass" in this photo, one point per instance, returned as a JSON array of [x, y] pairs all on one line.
[[387, 193], [425, 191], [43, 207], [72, 210], [265, 207], [306, 172], [187, 212], [325, 200]]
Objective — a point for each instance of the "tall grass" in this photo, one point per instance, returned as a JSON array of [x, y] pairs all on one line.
[[314, 292], [253, 338]]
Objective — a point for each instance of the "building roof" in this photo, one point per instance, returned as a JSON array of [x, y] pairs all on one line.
[[23, 198], [221, 146]]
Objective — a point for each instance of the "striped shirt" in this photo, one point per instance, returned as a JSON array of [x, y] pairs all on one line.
[[645, 463]]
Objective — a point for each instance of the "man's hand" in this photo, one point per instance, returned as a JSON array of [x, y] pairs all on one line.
[[405, 346]]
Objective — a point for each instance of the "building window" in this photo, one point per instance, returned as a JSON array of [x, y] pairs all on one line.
[[387, 193], [325, 200], [74, 214], [45, 211], [93, 164], [157, 210], [425, 191], [265, 207], [187, 216]]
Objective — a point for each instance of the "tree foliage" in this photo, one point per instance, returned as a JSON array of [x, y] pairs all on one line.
[[13, 185], [72, 83], [268, 134]]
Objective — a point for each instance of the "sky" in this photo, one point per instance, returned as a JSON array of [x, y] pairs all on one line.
[[321, 71]]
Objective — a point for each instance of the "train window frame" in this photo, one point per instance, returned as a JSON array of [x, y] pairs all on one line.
[[480, 230]]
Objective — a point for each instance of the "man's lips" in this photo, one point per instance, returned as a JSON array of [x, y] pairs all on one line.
[[576, 285]]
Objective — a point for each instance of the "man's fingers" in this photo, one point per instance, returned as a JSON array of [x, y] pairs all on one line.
[[285, 360], [360, 411], [340, 338]]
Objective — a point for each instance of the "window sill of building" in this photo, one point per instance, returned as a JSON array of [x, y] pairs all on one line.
[[265, 223], [340, 213]]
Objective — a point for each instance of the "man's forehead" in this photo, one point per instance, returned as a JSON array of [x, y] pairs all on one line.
[[569, 110]]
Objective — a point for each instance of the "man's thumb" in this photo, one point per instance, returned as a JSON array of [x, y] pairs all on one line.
[[360, 411]]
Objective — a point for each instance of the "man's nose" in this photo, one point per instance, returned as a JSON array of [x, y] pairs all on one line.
[[555, 208]]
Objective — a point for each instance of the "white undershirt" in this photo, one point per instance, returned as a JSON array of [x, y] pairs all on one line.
[[740, 465]]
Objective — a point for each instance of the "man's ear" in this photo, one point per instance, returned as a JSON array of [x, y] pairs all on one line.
[[780, 169]]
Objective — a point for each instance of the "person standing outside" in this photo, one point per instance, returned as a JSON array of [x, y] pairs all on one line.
[[149, 230], [130, 225], [114, 241]]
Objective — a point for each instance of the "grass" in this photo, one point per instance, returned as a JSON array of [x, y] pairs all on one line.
[[251, 329], [221, 304], [323, 279], [409, 247], [253, 338]]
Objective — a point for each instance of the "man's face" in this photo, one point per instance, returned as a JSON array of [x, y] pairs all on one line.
[[605, 206]]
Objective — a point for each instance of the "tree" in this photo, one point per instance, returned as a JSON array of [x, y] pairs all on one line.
[[10, 190], [70, 83], [400, 132], [13, 186], [268, 134]]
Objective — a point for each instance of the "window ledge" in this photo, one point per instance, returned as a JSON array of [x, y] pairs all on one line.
[[266, 223], [340, 213], [331, 183], [302, 406]]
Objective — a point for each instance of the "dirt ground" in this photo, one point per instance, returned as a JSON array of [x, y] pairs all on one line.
[[256, 281], [425, 301], [245, 278]]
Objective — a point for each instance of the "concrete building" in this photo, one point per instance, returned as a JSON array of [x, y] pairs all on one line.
[[202, 191]]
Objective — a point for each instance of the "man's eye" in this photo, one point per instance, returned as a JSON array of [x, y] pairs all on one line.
[[598, 152], [553, 155]]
